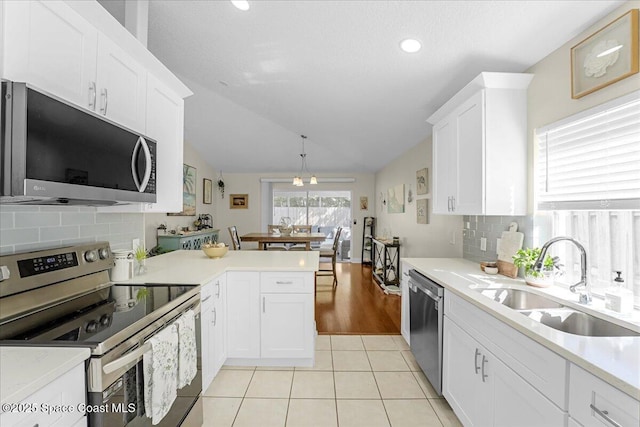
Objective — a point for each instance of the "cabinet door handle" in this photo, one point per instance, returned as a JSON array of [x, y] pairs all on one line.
[[92, 96], [605, 415], [263, 304], [484, 376], [475, 360], [208, 296], [105, 101], [453, 204], [217, 289], [288, 282], [449, 204], [215, 316]]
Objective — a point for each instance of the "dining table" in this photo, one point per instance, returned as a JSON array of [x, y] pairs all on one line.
[[265, 239]]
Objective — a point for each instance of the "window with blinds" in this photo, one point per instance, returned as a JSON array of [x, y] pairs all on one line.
[[591, 160]]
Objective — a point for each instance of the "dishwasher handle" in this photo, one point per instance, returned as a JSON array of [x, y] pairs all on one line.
[[426, 291]]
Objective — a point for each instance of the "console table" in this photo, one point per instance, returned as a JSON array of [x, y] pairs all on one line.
[[385, 260], [190, 241]]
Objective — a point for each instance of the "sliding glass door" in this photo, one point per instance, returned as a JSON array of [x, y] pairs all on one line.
[[325, 211]]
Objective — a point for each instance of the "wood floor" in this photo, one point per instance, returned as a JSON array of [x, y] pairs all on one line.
[[357, 305]]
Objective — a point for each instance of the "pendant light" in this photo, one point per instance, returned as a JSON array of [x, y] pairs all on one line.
[[297, 180]]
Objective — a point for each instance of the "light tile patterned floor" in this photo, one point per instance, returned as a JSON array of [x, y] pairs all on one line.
[[357, 381]]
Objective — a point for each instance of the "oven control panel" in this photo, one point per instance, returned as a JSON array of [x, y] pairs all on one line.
[[44, 264]]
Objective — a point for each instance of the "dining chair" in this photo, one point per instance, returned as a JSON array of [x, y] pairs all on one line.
[[273, 228], [235, 239], [299, 229], [331, 254]]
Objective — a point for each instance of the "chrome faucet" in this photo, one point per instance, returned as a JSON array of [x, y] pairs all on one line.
[[584, 297]]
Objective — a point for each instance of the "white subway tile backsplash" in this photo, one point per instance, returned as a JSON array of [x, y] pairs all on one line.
[[27, 228], [93, 230], [78, 218], [59, 233], [491, 228], [6, 220], [17, 236], [37, 219]]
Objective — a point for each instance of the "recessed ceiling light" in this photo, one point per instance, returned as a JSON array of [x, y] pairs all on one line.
[[241, 4], [410, 45]]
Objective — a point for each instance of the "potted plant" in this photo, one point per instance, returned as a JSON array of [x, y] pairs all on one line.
[[550, 267], [221, 185], [141, 256]]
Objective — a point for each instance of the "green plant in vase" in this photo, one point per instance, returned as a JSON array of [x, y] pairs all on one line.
[[526, 258], [140, 255]]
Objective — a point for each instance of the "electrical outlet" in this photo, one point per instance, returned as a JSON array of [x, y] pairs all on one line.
[[467, 225], [135, 244], [483, 243]]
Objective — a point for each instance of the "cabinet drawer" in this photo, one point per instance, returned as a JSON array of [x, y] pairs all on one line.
[[206, 291], [299, 283], [586, 390], [539, 366]]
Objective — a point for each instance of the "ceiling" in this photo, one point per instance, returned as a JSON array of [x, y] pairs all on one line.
[[333, 70]]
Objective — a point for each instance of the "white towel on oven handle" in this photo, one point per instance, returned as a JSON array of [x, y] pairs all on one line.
[[160, 365], [187, 350]]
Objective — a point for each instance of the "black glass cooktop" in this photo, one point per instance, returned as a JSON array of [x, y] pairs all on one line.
[[118, 307]]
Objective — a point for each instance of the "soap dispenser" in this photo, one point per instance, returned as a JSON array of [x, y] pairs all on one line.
[[617, 297]]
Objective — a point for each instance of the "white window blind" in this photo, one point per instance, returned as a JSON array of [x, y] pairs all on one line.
[[591, 160]]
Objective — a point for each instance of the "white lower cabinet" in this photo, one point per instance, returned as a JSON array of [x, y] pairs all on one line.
[[213, 329], [405, 309], [483, 391], [592, 402], [243, 314], [285, 326], [68, 390], [573, 423]]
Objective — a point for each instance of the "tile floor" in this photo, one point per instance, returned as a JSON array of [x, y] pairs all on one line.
[[369, 380]]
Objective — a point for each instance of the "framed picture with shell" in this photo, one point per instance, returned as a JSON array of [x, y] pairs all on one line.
[[605, 57]]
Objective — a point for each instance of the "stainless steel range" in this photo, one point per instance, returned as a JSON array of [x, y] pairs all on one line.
[[63, 297]]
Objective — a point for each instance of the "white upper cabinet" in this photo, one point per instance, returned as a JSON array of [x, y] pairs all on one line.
[[165, 124], [480, 148], [50, 46], [121, 86]]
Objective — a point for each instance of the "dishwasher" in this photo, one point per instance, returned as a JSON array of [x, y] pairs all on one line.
[[426, 303]]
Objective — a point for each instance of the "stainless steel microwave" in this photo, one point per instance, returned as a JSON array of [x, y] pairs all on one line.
[[56, 153]]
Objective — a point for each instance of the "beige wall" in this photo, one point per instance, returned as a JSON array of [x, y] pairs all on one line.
[[248, 220], [418, 240], [203, 170], [550, 91]]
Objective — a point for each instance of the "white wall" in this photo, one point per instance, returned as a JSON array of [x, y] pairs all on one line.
[[418, 240], [203, 170], [250, 220]]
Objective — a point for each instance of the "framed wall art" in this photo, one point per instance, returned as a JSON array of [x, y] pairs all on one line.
[[239, 201], [395, 199], [364, 203], [422, 185], [605, 57], [188, 192], [422, 211], [207, 191]]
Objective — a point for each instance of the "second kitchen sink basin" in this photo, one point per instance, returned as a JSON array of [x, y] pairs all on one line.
[[518, 299], [579, 323]]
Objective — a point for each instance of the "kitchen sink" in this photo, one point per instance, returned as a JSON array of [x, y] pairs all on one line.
[[555, 315], [578, 323], [518, 299]]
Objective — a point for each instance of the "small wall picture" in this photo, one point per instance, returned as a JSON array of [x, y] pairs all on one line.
[[239, 201], [395, 199], [422, 185], [364, 203], [188, 192], [207, 190], [422, 211]]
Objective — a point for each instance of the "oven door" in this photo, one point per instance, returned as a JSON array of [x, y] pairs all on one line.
[[120, 402]]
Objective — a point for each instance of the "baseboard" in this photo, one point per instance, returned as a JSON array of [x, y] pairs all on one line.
[[356, 261]]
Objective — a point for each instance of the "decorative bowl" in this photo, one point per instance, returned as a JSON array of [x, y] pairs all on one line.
[[214, 251], [491, 270]]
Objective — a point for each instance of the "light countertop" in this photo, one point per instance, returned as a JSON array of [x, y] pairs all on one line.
[[195, 268], [615, 360], [25, 370]]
